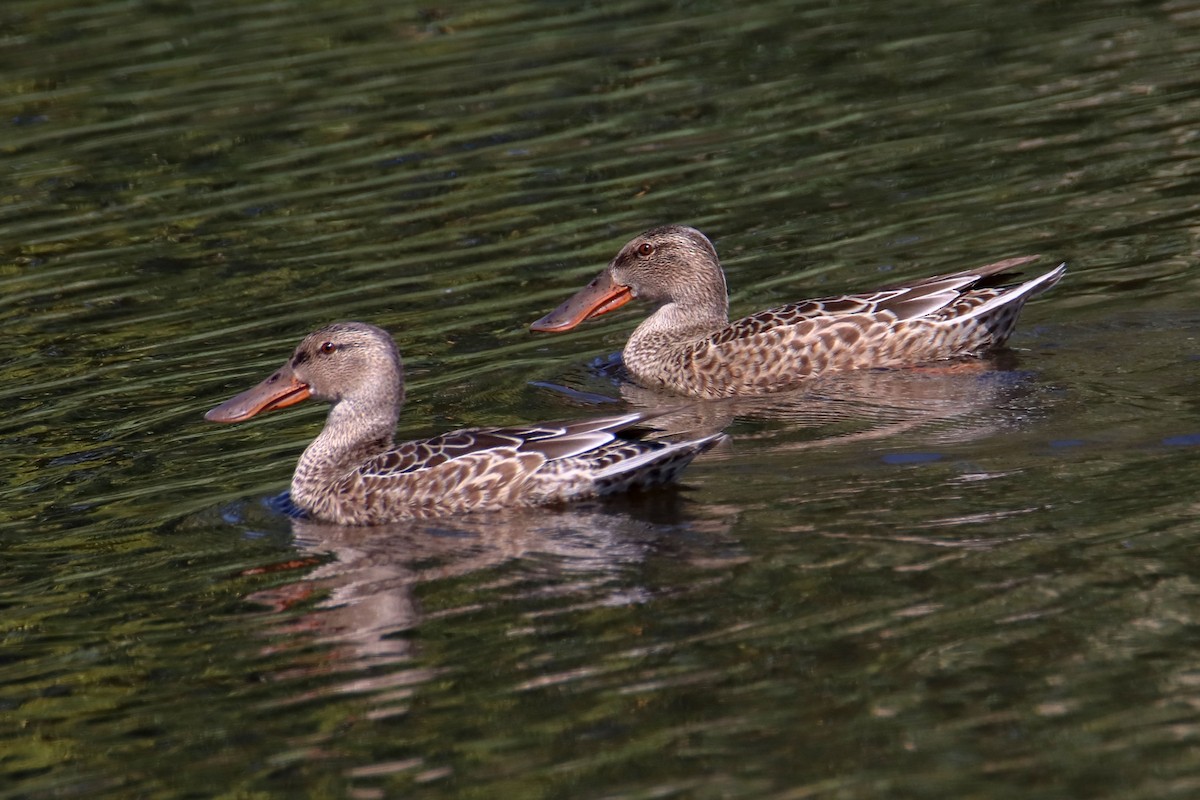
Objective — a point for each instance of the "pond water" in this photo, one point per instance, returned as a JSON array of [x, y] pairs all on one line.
[[980, 583]]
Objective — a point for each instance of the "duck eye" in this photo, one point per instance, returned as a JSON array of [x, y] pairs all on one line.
[[644, 249], [328, 347]]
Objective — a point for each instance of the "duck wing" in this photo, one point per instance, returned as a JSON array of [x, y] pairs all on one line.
[[910, 301], [550, 440], [479, 468]]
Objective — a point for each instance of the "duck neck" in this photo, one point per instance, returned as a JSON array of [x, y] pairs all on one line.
[[671, 330], [353, 432]]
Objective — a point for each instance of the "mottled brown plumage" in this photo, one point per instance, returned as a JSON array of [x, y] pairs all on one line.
[[689, 346], [354, 474]]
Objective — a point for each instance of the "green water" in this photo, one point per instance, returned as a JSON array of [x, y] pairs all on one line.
[[977, 584]]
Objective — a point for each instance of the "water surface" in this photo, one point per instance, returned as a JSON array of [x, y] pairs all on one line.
[[976, 583]]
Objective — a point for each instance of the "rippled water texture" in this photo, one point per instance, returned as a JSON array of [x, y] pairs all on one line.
[[972, 583]]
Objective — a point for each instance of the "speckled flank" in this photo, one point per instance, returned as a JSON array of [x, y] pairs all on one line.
[[354, 474], [688, 345]]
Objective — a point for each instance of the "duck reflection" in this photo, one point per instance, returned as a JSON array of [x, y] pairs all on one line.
[[951, 402], [368, 577]]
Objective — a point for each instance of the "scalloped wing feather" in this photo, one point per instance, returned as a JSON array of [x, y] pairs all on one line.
[[410, 482], [942, 317]]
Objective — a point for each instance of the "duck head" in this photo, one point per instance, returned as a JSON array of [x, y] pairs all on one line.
[[343, 361], [670, 264]]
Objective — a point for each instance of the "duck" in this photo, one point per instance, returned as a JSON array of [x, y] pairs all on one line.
[[354, 472], [688, 346]]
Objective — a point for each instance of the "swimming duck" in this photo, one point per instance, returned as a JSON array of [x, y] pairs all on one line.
[[689, 346], [354, 473]]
